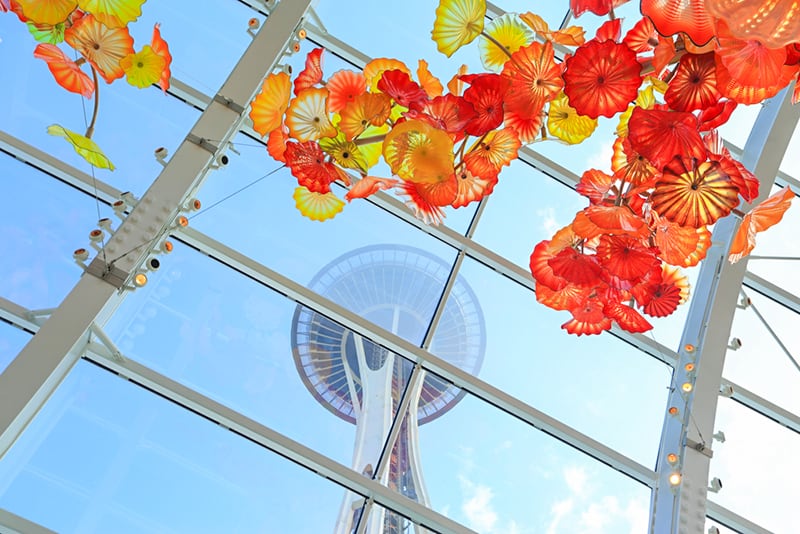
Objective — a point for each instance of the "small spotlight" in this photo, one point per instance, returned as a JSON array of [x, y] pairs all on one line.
[[129, 199], [672, 458], [140, 280], [688, 347], [252, 26], [181, 221], [105, 224], [80, 256], [192, 205], [726, 390], [153, 263], [735, 343], [161, 154], [716, 485], [166, 247], [674, 411], [744, 302], [687, 387], [96, 238], [719, 436], [119, 209], [294, 47], [302, 34], [689, 367], [675, 478]]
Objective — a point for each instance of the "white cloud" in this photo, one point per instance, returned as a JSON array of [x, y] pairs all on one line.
[[549, 222], [583, 510], [576, 477], [557, 512], [602, 158], [478, 506]]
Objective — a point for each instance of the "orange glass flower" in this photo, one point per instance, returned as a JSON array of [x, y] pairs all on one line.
[[343, 87], [694, 194], [674, 16], [535, 78], [311, 75], [418, 152], [268, 107], [308, 164], [694, 85], [369, 185], [47, 11], [161, 48], [683, 246], [661, 135], [66, 72], [602, 78], [766, 214], [368, 109], [102, 46], [775, 23]]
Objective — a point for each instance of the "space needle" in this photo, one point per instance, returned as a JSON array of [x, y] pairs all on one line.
[[398, 288]]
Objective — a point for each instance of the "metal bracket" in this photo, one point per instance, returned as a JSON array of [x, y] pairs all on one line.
[[108, 273], [700, 447], [202, 143], [113, 350], [229, 103]]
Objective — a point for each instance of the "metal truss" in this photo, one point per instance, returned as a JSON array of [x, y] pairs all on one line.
[[679, 501]]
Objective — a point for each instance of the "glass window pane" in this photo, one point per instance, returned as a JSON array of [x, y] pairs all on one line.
[[107, 456], [587, 382], [493, 473], [205, 325], [12, 340], [758, 466], [277, 235], [42, 222], [760, 364]]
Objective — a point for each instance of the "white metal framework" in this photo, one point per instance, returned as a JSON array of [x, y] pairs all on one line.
[[74, 329]]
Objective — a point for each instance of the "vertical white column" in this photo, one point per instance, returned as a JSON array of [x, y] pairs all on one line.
[[679, 508], [30, 379]]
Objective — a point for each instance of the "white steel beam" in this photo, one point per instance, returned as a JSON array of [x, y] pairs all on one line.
[[681, 507], [31, 377], [14, 524], [723, 516]]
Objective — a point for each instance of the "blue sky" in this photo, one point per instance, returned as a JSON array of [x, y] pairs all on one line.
[[106, 455]]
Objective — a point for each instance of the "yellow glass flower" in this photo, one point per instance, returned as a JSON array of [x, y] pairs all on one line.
[[113, 13], [317, 206], [458, 22], [84, 146], [307, 116], [509, 32], [143, 68], [268, 107], [418, 152], [565, 123], [47, 11], [346, 153]]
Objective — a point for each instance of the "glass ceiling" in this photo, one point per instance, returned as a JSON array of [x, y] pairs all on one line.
[[221, 395]]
